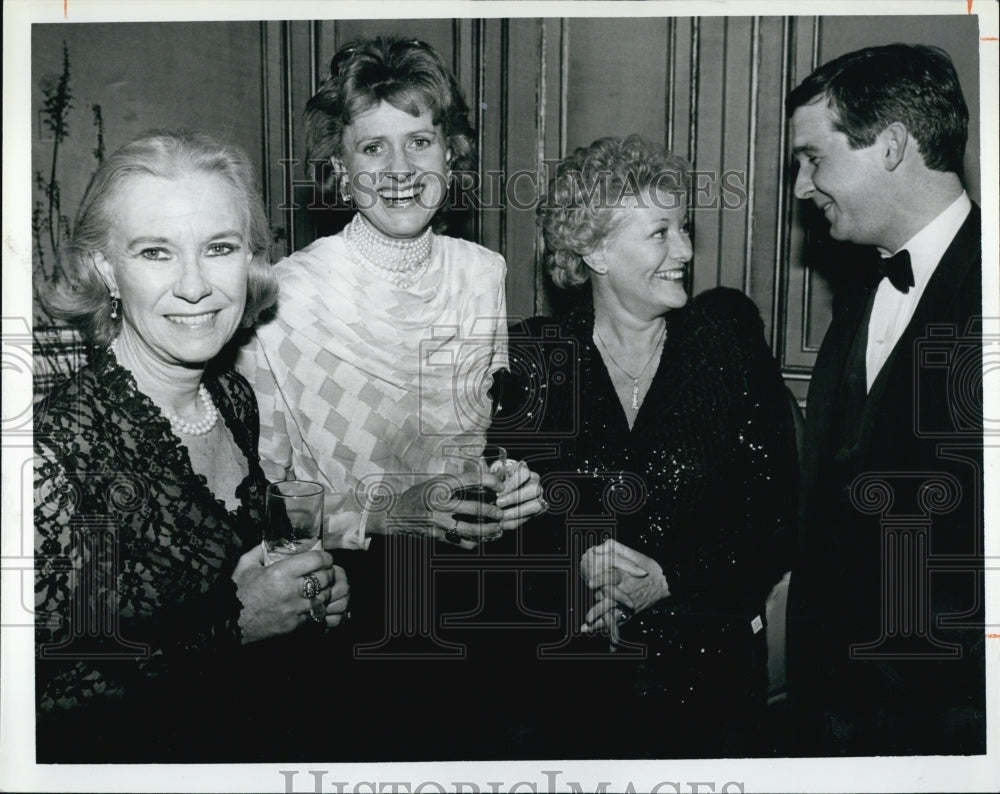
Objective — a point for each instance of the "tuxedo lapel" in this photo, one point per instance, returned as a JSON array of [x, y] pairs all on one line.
[[829, 375], [935, 305], [860, 571], [894, 386]]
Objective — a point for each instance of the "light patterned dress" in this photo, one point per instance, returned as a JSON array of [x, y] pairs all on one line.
[[367, 387]]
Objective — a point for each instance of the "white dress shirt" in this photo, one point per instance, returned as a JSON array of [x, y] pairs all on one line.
[[892, 309]]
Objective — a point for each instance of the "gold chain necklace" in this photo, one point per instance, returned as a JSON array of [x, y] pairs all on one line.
[[634, 378]]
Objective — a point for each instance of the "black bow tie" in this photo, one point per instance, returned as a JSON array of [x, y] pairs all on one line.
[[898, 270]]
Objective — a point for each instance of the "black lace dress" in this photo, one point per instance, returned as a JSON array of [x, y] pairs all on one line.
[[136, 627], [704, 483]]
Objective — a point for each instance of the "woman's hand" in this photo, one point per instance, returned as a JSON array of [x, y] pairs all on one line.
[[435, 509], [340, 597], [342, 530], [521, 496], [429, 509], [624, 581], [277, 599]]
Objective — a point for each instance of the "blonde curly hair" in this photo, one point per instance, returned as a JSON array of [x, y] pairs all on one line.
[[578, 211]]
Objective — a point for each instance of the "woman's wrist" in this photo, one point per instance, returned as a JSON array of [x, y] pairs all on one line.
[[410, 526], [349, 529], [661, 596]]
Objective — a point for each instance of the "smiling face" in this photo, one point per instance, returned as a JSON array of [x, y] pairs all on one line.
[[643, 259], [397, 165], [845, 184], [178, 255]]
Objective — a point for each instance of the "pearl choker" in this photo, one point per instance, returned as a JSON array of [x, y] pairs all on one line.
[[400, 262], [202, 428]]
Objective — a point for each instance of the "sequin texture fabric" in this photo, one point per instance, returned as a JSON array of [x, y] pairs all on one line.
[[704, 483]]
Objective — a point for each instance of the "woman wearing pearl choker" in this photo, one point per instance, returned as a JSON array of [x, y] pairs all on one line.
[[145, 502], [377, 366], [374, 376]]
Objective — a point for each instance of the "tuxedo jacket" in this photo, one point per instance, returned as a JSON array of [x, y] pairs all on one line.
[[885, 609]]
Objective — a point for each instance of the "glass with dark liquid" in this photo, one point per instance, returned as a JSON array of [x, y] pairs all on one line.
[[494, 461]]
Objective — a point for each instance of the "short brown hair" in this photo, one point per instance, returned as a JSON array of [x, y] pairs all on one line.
[[406, 73]]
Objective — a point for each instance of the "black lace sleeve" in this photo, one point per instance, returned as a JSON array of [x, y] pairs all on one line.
[[134, 555], [245, 427]]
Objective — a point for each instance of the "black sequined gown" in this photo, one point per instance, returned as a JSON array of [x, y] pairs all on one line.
[[704, 482]]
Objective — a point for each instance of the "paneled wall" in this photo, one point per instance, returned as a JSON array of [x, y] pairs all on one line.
[[711, 88]]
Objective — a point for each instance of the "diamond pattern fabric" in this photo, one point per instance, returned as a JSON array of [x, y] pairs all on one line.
[[362, 382]]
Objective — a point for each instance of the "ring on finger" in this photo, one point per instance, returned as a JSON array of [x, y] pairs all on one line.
[[452, 536], [623, 613], [310, 587], [318, 612]]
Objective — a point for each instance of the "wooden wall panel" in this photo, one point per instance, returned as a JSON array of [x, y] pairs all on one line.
[[298, 45], [683, 72], [617, 78], [273, 174], [711, 88], [722, 121], [436, 32], [804, 303], [765, 195], [708, 150], [490, 37], [203, 76], [525, 127], [552, 134], [734, 161], [957, 35]]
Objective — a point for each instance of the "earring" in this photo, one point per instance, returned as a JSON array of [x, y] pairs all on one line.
[[115, 303], [345, 189]]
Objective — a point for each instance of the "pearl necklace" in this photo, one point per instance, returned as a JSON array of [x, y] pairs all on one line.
[[635, 378], [400, 262], [202, 428]]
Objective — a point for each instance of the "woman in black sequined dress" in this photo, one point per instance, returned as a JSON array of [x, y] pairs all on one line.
[[662, 431]]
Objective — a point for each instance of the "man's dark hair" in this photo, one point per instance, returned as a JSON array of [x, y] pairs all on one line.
[[913, 84]]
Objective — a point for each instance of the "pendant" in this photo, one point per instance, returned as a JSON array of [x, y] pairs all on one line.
[[635, 394]]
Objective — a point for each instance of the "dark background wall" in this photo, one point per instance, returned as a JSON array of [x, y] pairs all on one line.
[[711, 88]]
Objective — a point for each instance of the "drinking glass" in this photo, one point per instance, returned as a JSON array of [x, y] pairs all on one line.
[[293, 520], [493, 459]]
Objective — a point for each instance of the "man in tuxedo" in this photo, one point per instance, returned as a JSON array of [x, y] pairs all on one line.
[[885, 611]]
